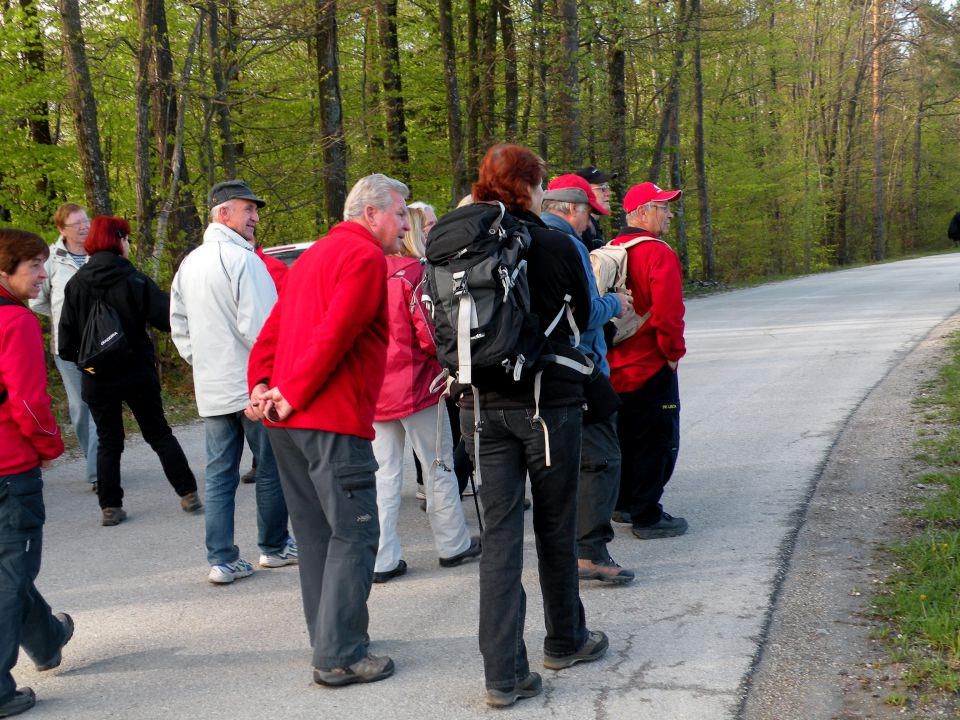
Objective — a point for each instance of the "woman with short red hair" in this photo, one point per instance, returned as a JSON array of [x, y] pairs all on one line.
[[514, 443], [109, 275]]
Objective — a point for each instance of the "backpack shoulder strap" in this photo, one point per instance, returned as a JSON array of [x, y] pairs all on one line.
[[6, 301]]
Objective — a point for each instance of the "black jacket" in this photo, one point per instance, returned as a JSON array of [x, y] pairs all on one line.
[[134, 296], [953, 232], [554, 269]]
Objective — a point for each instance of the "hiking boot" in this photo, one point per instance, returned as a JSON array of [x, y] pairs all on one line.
[[365, 670], [530, 686], [93, 487], [191, 502], [666, 526], [607, 571], [289, 556], [472, 551], [382, 577], [228, 572], [250, 476], [593, 649], [621, 516], [113, 516], [23, 699], [57, 658]]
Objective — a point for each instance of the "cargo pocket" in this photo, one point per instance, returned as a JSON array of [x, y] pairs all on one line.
[[356, 515], [22, 512]]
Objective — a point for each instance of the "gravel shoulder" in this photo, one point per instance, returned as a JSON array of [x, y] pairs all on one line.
[[816, 659]]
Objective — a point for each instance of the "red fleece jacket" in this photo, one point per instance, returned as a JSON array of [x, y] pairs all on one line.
[[28, 431], [325, 342], [655, 278]]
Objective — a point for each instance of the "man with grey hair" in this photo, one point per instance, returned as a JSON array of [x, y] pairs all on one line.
[[566, 207], [219, 300], [314, 375]]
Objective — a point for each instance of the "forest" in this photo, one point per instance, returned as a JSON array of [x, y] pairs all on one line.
[[806, 134]]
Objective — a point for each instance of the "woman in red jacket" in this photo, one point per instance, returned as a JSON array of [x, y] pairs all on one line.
[[407, 408], [29, 440]]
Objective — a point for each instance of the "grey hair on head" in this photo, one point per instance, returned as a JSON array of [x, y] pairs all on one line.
[[372, 190], [420, 205], [562, 207]]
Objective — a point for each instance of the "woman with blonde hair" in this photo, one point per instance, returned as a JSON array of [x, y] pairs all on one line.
[[407, 408]]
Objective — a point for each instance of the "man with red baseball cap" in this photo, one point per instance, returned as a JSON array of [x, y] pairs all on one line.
[[566, 207], [643, 368]]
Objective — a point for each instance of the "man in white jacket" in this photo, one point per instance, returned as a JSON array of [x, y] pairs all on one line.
[[67, 255], [220, 298]]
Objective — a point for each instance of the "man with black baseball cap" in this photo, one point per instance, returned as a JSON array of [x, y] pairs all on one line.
[[643, 368], [600, 184], [221, 296]]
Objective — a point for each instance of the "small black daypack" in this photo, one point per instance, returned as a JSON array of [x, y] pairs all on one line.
[[103, 346], [476, 281]]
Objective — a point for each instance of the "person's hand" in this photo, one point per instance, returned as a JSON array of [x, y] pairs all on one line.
[[45, 464], [252, 410], [673, 364], [274, 406], [626, 303]]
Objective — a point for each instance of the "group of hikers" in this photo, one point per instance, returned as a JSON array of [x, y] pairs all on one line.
[[508, 341]]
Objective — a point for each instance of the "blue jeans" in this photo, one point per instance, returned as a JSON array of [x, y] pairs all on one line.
[[25, 617], [83, 424], [224, 440], [511, 445]]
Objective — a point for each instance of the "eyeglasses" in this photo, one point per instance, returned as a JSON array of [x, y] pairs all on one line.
[[604, 188], [665, 208], [82, 223]]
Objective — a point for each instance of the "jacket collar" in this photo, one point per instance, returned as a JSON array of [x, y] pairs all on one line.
[[355, 228], [556, 222], [628, 232], [216, 232]]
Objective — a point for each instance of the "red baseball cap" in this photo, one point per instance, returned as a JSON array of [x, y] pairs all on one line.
[[572, 182], [646, 192]]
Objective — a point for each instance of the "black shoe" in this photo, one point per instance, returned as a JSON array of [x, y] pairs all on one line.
[[57, 658], [666, 526], [250, 476], [619, 516], [593, 649], [365, 670], [93, 487], [470, 552], [527, 504], [23, 699], [382, 577], [530, 686]]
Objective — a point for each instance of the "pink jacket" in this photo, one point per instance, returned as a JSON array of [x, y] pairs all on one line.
[[28, 431], [411, 350]]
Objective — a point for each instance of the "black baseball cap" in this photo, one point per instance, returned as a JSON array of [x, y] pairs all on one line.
[[594, 176], [232, 190]]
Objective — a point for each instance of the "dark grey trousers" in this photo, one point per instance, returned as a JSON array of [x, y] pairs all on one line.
[[598, 489], [329, 482]]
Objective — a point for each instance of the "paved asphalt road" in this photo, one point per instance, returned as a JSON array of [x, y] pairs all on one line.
[[771, 376]]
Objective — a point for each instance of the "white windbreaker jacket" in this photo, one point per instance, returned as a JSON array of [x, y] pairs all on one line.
[[219, 300], [60, 268]]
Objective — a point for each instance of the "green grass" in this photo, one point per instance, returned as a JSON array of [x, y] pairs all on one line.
[[918, 607]]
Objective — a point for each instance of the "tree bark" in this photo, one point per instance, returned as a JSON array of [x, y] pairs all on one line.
[[510, 87], [143, 140], [458, 186], [879, 241], [39, 120], [543, 96], [473, 90], [85, 111], [616, 74], [393, 91], [331, 111], [568, 93], [676, 181], [221, 100], [706, 234], [488, 103], [673, 86]]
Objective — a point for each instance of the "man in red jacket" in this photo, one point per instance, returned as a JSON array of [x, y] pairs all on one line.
[[643, 368], [314, 374]]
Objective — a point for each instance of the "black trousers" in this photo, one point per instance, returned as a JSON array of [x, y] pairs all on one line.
[[648, 428], [141, 393]]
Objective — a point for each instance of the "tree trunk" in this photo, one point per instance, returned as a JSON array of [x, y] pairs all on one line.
[[393, 91], [143, 141], [39, 121], [488, 102], [458, 187], [676, 181], [331, 111], [917, 167], [879, 241], [706, 235], [568, 94], [543, 97], [221, 101], [85, 111], [616, 73], [510, 87], [473, 90], [673, 86]]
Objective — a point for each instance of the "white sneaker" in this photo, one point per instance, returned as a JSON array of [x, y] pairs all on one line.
[[289, 556], [228, 572]]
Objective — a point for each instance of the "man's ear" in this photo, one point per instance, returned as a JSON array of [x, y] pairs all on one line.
[[369, 214]]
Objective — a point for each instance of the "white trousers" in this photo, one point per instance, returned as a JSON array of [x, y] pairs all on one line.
[[450, 534]]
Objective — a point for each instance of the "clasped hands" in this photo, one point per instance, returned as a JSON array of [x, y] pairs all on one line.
[[267, 402]]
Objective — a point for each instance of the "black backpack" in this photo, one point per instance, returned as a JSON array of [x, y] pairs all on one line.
[[103, 346], [476, 282]]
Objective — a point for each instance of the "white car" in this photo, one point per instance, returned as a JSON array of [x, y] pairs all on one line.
[[288, 253]]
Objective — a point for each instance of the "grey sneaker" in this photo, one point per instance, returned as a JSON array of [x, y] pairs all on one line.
[[530, 686], [289, 556], [57, 658], [365, 670], [226, 573], [593, 649], [666, 526], [113, 516], [23, 699]]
